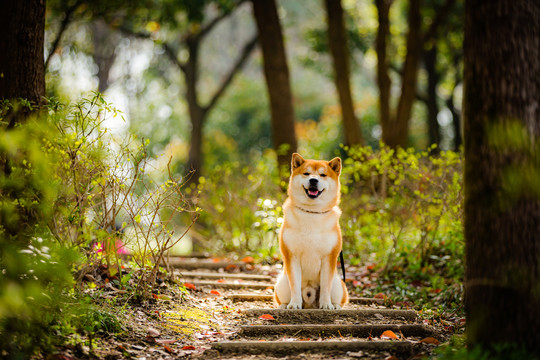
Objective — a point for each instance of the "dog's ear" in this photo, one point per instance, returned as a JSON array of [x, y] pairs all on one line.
[[335, 164], [297, 161]]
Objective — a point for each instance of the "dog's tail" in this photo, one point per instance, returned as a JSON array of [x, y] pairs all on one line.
[[309, 295]]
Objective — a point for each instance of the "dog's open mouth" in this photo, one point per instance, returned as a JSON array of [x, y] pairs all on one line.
[[312, 192]]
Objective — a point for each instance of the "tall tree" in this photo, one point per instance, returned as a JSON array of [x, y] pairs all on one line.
[[395, 126], [502, 167], [339, 50], [278, 84], [190, 42], [22, 71]]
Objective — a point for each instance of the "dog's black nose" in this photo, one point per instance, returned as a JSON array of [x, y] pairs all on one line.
[[313, 182]]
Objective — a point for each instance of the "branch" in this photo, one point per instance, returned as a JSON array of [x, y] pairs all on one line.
[[63, 27], [244, 55], [169, 51], [208, 27]]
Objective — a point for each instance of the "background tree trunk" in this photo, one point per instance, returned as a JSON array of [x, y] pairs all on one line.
[[383, 79], [340, 59], [397, 133], [22, 70], [430, 61], [105, 42], [502, 205], [276, 73]]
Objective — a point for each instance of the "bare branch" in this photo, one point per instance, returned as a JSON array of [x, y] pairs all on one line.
[[208, 27], [244, 55], [63, 26]]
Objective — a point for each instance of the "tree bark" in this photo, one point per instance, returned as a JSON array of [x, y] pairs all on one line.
[[340, 60], [278, 85], [397, 133], [22, 71], [502, 205], [383, 79], [430, 61]]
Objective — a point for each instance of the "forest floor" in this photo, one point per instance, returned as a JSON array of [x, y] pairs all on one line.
[[217, 308]]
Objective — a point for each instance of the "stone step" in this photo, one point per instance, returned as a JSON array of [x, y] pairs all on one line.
[[295, 347], [216, 275], [327, 330], [193, 264], [262, 297], [318, 315], [230, 285]]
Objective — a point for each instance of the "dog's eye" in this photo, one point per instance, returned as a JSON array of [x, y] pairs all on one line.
[[323, 175], [306, 174]]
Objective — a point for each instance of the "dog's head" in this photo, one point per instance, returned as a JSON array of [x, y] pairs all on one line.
[[315, 183]]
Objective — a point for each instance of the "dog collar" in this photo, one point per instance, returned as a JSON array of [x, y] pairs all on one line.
[[312, 212]]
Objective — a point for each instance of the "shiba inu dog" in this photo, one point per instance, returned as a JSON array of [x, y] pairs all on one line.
[[310, 238]]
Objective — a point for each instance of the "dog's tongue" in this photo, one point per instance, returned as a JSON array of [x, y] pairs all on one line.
[[313, 192]]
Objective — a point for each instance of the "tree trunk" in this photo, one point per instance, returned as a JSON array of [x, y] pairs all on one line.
[[430, 61], [383, 79], [197, 114], [22, 71], [502, 205], [105, 42], [340, 56], [399, 131], [278, 85]]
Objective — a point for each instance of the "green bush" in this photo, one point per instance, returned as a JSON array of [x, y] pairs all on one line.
[[65, 185], [402, 212]]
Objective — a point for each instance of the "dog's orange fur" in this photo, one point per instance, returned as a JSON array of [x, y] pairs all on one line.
[[301, 213]]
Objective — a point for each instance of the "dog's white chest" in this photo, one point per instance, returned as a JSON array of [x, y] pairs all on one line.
[[310, 239]]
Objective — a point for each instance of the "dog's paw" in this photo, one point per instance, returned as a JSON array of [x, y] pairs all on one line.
[[294, 306], [337, 306], [326, 306], [282, 306]]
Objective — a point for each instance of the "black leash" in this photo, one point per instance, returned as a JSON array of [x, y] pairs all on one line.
[[342, 264]]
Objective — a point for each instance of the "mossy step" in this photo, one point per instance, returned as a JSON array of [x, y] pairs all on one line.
[[303, 330], [310, 315], [295, 347]]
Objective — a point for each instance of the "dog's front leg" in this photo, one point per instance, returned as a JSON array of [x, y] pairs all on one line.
[[327, 275], [294, 273]]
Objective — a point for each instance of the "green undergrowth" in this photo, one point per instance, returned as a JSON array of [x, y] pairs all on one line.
[[73, 198], [402, 220]]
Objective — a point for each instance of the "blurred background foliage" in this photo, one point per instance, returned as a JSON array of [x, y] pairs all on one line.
[[402, 214]]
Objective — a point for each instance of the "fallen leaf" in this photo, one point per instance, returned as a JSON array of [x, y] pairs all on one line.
[[391, 357], [155, 296], [221, 280], [190, 286], [380, 296], [389, 334], [188, 347], [430, 340], [214, 292], [231, 267], [248, 259], [168, 349], [370, 267], [266, 317], [216, 260]]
